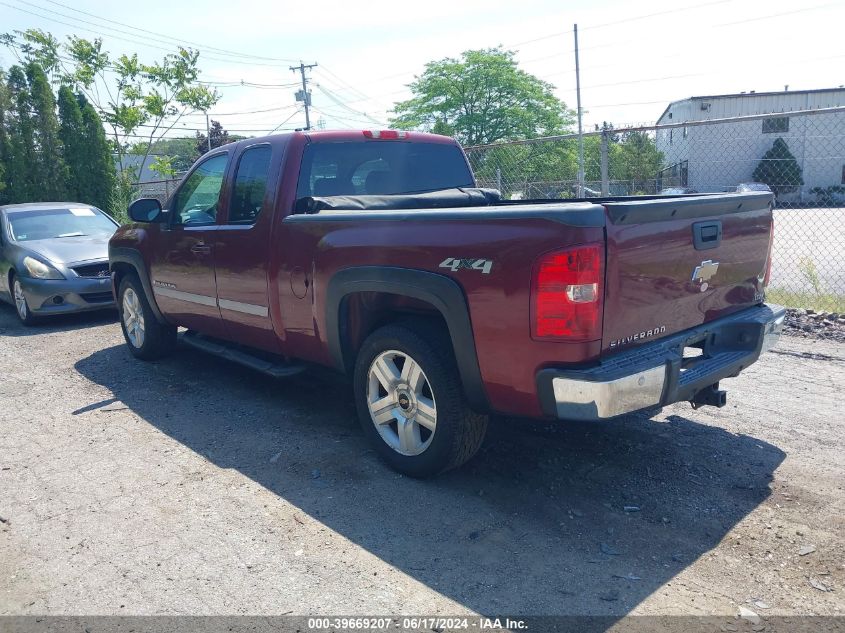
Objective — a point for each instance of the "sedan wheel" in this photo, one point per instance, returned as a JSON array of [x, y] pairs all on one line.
[[401, 403], [133, 318], [20, 301]]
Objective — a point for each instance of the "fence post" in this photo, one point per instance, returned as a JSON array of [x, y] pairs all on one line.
[[499, 179], [605, 183]]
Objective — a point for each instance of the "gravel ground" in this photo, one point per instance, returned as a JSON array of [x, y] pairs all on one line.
[[812, 324], [191, 486]]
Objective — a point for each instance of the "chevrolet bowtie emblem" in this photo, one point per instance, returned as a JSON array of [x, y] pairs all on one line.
[[705, 270]]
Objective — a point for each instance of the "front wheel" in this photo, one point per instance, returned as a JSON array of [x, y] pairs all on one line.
[[21, 306], [146, 337], [410, 401]]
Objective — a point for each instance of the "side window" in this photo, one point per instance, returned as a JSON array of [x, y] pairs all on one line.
[[197, 199], [779, 125], [250, 185]]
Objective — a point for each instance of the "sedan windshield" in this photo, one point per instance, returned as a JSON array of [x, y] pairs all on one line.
[[47, 224]]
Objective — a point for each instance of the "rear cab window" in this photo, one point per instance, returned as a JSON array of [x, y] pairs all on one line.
[[250, 186], [355, 168]]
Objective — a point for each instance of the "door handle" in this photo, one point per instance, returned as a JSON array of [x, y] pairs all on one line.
[[200, 248]]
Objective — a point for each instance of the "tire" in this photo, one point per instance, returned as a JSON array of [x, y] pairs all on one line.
[[146, 337], [419, 422], [20, 303]]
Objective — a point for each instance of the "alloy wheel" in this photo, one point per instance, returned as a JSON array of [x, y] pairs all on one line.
[[401, 403], [133, 318], [20, 300]]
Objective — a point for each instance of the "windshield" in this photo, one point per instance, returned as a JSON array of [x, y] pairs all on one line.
[[47, 224], [381, 167]]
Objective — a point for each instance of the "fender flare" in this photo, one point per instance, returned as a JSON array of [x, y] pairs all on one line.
[[123, 255], [440, 291]]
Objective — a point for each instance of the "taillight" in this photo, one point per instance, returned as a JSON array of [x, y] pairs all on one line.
[[385, 134], [566, 294], [768, 274]]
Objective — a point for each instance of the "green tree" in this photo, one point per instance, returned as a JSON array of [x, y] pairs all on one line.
[[219, 137], [100, 179], [779, 169], [4, 138], [442, 127], [181, 150], [19, 138], [72, 135], [134, 99], [637, 160], [483, 97], [163, 166], [48, 169], [86, 150]]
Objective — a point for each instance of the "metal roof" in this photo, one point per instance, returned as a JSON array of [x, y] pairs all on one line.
[[752, 94]]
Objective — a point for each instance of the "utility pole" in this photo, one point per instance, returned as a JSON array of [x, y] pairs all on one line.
[[580, 192], [605, 180], [303, 94], [207, 131]]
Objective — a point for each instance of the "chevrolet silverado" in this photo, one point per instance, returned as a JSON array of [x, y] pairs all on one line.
[[374, 253]]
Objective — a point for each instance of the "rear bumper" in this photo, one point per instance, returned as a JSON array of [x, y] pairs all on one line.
[[60, 296], [657, 374]]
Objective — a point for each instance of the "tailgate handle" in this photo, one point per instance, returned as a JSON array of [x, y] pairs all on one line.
[[707, 235]]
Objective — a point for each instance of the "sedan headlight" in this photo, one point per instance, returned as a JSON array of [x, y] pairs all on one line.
[[40, 270]]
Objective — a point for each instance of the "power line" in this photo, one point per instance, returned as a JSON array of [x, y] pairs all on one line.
[[117, 37], [246, 84], [285, 121], [177, 40], [331, 96], [778, 15], [345, 120], [276, 109], [617, 43], [202, 129], [623, 21], [344, 83]]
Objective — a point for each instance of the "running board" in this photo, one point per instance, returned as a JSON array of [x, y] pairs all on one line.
[[237, 354]]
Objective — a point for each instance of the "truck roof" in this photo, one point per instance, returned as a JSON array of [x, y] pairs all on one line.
[[334, 136]]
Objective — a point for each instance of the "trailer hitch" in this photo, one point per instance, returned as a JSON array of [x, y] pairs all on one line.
[[710, 396]]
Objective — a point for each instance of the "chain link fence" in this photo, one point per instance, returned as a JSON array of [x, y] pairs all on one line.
[[799, 155], [160, 189]]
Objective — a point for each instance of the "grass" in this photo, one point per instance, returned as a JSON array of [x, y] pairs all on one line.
[[827, 301]]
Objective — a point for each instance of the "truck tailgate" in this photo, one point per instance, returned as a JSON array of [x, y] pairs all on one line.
[[675, 263]]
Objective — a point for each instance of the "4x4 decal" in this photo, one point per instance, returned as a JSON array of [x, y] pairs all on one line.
[[455, 264]]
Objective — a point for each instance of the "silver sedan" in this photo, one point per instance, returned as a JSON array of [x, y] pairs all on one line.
[[54, 258]]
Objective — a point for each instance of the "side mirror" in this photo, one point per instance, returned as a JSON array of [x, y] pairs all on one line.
[[145, 210]]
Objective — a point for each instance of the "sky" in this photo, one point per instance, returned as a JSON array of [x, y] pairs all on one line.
[[635, 57]]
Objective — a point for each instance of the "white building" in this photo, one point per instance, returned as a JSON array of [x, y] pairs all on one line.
[[719, 156]]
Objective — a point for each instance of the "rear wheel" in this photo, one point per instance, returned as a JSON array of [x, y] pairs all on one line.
[[410, 401], [21, 305], [146, 337]]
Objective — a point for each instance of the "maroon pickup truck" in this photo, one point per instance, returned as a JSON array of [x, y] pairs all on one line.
[[374, 253]]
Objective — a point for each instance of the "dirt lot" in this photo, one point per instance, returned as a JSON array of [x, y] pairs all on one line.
[[190, 486]]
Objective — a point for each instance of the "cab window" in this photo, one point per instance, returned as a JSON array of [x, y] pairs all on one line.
[[250, 185], [197, 199], [381, 168]]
